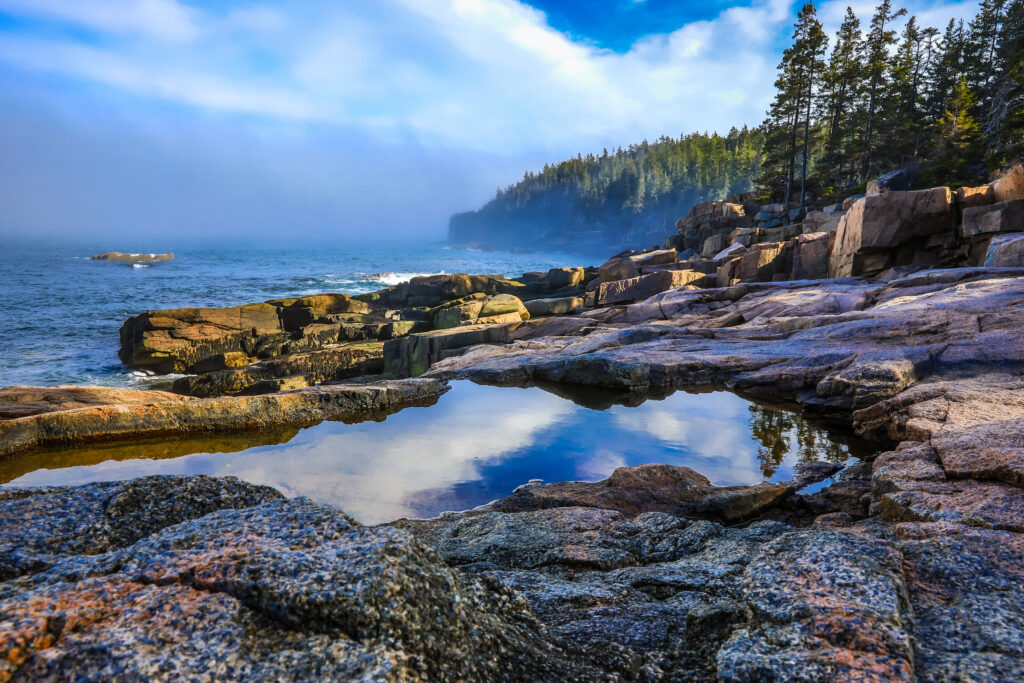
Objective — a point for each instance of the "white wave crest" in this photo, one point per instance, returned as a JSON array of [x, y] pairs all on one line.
[[391, 279]]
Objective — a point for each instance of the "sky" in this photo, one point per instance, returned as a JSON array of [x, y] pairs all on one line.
[[353, 119]]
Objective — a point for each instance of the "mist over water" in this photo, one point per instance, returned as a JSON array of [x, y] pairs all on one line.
[[61, 311]]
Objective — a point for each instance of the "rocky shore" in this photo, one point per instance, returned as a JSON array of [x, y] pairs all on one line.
[[909, 566]]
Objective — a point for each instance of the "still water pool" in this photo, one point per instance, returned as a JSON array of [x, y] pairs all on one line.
[[475, 445]]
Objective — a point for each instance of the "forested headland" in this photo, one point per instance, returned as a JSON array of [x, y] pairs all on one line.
[[618, 198], [883, 93]]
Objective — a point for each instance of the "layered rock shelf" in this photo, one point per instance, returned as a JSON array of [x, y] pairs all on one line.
[[898, 313], [40, 417]]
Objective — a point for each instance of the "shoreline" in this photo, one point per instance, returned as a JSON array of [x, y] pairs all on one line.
[[906, 566]]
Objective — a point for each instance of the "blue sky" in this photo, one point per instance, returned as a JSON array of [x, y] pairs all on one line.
[[349, 118]]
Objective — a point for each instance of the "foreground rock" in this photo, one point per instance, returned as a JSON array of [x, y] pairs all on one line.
[[168, 578], [118, 414], [171, 578]]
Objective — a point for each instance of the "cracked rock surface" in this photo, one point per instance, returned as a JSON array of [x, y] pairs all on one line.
[[910, 567]]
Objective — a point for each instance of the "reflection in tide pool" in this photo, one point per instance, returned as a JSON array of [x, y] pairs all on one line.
[[477, 444]]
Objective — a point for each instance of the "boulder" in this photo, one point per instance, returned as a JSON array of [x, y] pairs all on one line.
[[987, 219], [1005, 251], [1009, 186], [898, 180], [877, 225], [644, 488], [822, 221], [412, 355], [810, 256], [338, 361], [849, 201], [433, 290], [557, 306], [618, 269], [713, 245], [654, 258], [645, 286], [176, 339], [223, 361], [559, 278], [967, 197], [729, 252], [765, 261], [503, 304]]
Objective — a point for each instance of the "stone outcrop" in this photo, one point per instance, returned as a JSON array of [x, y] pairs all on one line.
[[117, 414], [646, 286], [892, 229], [18, 402], [128, 257]]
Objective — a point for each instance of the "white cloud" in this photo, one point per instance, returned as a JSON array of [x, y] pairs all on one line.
[[163, 19], [488, 75]]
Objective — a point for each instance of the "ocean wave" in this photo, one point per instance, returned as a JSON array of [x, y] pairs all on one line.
[[391, 279], [140, 265]]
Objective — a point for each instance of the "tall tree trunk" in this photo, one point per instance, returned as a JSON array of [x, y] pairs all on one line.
[[807, 134], [792, 149], [866, 163]]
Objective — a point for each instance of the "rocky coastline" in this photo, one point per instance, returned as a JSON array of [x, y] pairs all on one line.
[[899, 313]]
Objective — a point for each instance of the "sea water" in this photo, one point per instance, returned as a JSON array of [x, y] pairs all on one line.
[[60, 311]]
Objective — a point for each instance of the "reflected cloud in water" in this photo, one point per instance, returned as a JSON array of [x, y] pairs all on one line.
[[480, 442]]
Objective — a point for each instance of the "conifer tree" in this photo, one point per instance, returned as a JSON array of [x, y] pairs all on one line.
[[879, 39], [841, 83]]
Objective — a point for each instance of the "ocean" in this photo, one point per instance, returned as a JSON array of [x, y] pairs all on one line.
[[60, 311]]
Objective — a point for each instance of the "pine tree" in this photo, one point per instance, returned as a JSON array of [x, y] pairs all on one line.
[[790, 112], [841, 83], [1005, 123], [957, 138], [879, 39]]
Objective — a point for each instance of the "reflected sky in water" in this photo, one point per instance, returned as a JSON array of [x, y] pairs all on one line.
[[475, 445]]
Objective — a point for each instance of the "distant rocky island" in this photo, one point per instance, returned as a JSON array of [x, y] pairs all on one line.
[[129, 257]]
